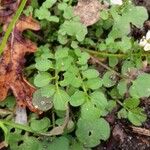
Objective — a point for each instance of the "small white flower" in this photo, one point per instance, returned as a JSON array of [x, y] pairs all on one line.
[[145, 41], [116, 2], [148, 35], [147, 47]]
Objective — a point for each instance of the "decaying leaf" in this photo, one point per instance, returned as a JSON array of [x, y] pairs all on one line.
[[12, 62], [8, 8], [88, 11], [59, 129]]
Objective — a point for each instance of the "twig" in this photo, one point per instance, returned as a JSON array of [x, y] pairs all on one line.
[[141, 131], [97, 60]]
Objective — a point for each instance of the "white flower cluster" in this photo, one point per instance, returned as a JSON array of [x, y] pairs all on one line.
[[145, 41], [116, 2]]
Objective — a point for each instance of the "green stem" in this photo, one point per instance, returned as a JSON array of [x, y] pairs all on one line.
[[11, 25], [121, 104], [16, 125], [104, 54], [70, 2], [56, 80], [20, 126]]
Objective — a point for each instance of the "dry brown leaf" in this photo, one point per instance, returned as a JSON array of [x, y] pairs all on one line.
[[12, 62], [88, 11]]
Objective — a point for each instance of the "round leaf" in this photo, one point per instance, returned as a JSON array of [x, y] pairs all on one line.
[[90, 73], [42, 79], [40, 125], [77, 98], [91, 132], [61, 99], [43, 65], [41, 102]]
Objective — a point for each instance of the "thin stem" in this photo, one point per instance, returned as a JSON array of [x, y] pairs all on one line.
[[108, 68], [16, 125], [56, 79], [5, 112], [11, 25], [105, 54], [70, 2], [121, 104]]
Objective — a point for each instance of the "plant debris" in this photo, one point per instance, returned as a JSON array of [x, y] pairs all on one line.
[[12, 62], [88, 11]]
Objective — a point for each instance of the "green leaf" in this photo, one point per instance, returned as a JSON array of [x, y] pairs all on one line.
[[49, 3], [43, 65], [90, 73], [41, 102], [68, 12], [62, 6], [127, 67], [135, 15], [102, 46], [111, 105], [131, 103], [74, 44], [113, 61], [78, 52], [40, 125], [99, 99], [61, 99], [62, 39], [136, 116], [5, 130], [139, 19], [29, 143], [9, 102], [84, 57], [48, 91], [13, 140], [89, 111], [44, 52], [141, 86], [78, 98], [73, 28], [77, 146], [93, 84], [125, 44], [104, 14], [109, 79], [71, 79], [42, 13], [120, 28], [64, 63], [114, 93], [53, 19], [122, 113], [122, 87], [42, 79], [28, 11], [61, 53], [91, 132], [59, 143]]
